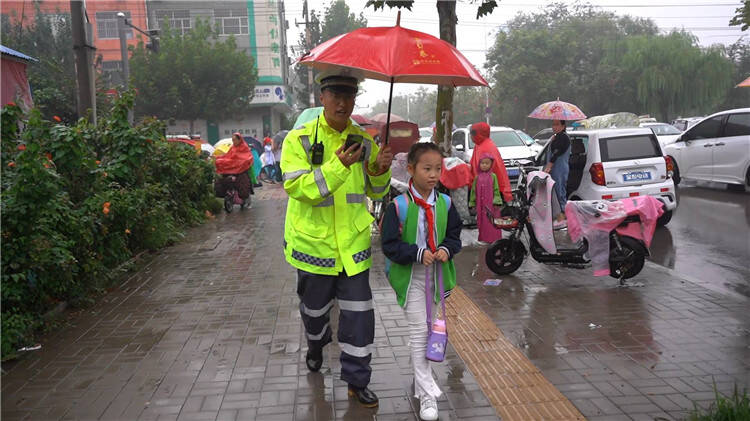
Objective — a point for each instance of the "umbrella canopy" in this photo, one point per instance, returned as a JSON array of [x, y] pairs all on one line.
[[307, 115], [278, 138], [221, 147], [557, 110], [383, 117], [395, 54], [744, 84]]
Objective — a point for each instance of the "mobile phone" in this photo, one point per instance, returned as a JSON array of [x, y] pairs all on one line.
[[352, 139]]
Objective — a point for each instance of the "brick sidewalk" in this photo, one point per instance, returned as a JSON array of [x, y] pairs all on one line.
[[637, 353], [209, 329]]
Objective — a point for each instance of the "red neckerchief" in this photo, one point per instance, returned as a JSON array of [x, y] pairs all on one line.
[[429, 216]]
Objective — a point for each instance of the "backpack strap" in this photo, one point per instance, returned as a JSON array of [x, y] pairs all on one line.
[[402, 207], [447, 200]]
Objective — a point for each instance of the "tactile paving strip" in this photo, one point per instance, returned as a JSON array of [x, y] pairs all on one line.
[[515, 387]]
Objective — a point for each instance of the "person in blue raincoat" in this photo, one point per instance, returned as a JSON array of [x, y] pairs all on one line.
[[557, 167]]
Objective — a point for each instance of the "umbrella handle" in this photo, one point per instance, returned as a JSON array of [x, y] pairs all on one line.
[[388, 117]]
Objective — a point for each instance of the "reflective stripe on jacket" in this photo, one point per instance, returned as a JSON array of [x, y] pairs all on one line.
[[327, 227]]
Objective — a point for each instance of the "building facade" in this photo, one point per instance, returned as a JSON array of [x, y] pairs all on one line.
[[259, 28], [102, 15]]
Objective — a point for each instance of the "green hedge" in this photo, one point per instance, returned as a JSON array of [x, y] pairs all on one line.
[[79, 201]]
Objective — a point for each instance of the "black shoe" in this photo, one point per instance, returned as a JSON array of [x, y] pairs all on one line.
[[314, 360], [364, 395]]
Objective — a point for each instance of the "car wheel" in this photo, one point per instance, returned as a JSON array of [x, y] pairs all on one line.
[[675, 173], [736, 187], [664, 218]]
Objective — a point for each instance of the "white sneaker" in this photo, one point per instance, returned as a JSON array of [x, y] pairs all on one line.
[[428, 410]]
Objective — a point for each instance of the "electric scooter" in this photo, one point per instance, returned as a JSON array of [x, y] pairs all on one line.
[[504, 256]]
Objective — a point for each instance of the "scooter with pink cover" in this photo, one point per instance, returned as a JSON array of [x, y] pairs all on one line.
[[610, 236]]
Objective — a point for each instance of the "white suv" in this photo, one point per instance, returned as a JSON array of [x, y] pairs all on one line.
[[716, 149], [508, 142], [614, 164]]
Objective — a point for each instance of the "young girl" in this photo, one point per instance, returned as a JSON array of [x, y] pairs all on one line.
[[421, 231], [269, 160], [485, 193]]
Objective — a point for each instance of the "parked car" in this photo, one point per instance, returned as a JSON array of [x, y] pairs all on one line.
[[542, 136], [665, 133], [716, 149], [684, 123], [425, 134], [530, 141], [507, 141], [614, 164]]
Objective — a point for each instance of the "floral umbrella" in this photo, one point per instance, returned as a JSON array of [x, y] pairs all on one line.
[[557, 110], [394, 54]]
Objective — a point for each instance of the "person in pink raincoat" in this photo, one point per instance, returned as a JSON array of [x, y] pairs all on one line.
[[480, 134], [485, 194]]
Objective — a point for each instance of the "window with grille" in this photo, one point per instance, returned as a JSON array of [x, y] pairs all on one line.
[[106, 25], [179, 20], [231, 22]]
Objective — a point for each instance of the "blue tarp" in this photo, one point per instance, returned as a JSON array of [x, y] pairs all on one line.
[[14, 53]]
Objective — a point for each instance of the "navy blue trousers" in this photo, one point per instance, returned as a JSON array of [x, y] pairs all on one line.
[[356, 331]]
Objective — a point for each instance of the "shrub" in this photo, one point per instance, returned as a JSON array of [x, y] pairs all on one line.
[[77, 201], [725, 408]]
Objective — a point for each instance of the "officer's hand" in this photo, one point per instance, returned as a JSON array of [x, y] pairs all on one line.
[[428, 258], [382, 162], [349, 156], [441, 255]]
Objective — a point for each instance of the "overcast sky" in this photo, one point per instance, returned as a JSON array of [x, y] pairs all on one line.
[[707, 19]]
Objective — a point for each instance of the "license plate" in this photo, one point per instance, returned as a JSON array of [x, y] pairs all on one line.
[[637, 176], [512, 172]]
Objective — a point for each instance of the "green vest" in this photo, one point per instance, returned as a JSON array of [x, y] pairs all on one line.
[[400, 275]]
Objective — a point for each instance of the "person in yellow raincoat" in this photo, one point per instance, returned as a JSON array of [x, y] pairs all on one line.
[[327, 228]]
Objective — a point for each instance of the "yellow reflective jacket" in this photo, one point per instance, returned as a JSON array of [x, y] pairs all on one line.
[[327, 225]]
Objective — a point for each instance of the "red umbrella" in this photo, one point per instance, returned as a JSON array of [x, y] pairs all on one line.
[[395, 54]]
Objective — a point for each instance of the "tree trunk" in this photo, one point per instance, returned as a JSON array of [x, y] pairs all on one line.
[[444, 109]]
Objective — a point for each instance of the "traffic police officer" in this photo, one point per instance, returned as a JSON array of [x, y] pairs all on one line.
[[327, 228]]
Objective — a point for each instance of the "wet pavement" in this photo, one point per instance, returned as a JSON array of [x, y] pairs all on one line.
[[709, 236], [640, 352], [209, 330]]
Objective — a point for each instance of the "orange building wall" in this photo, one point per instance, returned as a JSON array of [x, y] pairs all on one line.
[[108, 48]]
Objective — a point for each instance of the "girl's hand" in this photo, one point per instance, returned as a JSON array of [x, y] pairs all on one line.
[[428, 258], [548, 167], [441, 255]]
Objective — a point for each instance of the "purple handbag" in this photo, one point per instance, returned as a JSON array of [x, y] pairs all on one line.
[[437, 333]]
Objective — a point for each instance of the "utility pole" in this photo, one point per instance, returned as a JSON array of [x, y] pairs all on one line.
[[308, 44], [84, 65], [121, 29]]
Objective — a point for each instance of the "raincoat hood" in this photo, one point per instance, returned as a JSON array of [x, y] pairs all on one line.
[[486, 155], [482, 132]]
